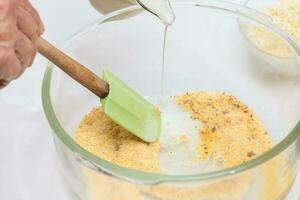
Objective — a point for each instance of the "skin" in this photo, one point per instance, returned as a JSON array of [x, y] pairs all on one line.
[[20, 26]]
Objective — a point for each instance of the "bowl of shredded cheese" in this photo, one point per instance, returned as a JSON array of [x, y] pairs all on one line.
[[268, 46], [229, 127]]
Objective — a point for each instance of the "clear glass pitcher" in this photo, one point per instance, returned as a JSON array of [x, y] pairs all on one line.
[[160, 8]]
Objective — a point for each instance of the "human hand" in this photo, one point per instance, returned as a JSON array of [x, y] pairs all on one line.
[[20, 27]]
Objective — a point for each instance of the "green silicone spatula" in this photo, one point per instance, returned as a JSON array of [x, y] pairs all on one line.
[[121, 103]]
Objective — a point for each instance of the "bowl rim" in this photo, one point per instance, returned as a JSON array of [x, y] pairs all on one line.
[[138, 177]]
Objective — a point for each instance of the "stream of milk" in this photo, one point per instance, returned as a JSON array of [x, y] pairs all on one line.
[[180, 133]]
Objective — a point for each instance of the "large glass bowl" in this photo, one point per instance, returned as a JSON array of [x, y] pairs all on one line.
[[205, 51]]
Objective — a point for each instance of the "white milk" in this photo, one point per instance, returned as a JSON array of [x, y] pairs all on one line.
[[160, 8], [177, 155]]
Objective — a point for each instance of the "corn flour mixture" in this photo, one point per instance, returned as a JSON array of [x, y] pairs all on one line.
[[285, 14], [201, 131], [228, 133]]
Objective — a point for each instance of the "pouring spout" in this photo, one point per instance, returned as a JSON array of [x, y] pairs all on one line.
[[161, 8]]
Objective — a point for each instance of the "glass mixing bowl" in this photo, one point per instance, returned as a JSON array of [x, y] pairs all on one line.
[[205, 51]]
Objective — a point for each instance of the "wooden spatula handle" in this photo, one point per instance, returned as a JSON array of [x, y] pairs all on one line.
[[77, 71]]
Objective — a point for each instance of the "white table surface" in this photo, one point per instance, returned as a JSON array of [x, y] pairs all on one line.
[[28, 157]]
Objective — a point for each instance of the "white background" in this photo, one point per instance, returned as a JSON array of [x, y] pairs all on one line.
[[27, 154]]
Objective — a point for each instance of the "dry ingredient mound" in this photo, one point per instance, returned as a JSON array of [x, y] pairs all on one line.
[[101, 136], [230, 134]]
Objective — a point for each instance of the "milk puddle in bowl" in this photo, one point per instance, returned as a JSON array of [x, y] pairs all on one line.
[[179, 140]]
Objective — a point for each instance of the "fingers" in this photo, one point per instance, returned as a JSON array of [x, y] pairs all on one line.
[[25, 50], [7, 34], [7, 11], [20, 26], [14, 60], [26, 23], [26, 45], [8, 22], [26, 5], [10, 65], [3, 83]]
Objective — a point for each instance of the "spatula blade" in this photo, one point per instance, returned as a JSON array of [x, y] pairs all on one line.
[[130, 110]]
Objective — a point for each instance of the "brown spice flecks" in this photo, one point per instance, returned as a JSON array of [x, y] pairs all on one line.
[[251, 154], [157, 111], [230, 129]]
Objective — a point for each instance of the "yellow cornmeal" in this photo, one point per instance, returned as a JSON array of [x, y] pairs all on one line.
[[286, 14], [231, 133], [226, 128], [268, 182], [101, 136]]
